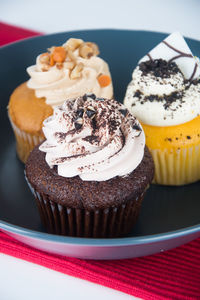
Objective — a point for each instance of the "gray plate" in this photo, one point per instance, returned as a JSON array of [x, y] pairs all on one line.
[[170, 215]]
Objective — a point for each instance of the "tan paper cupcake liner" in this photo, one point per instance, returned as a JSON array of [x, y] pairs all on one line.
[[100, 223], [177, 167], [25, 142]]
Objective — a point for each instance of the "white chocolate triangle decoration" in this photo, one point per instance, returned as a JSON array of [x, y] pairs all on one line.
[[174, 48]]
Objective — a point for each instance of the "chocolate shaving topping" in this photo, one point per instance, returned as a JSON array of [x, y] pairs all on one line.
[[91, 139], [136, 127], [85, 97], [79, 113], [77, 125], [123, 112], [113, 125], [71, 132], [91, 126], [65, 116], [159, 67], [63, 159], [60, 160], [61, 135], [94, 124], [98, 117], [90, 113], [55, 168], [93, 96]]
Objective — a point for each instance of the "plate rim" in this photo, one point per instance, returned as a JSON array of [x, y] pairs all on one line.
[[92, 242], [105, 242]]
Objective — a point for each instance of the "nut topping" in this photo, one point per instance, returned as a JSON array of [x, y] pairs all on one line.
[[64, 56], [86, 50], [69, 65], [94, 47], [59, 66], [72, 44], [71, 56], [76, 72], [44, 58]]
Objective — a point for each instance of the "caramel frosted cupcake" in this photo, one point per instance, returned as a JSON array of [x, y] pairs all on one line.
[[61, 73], [90, 175], [164, 95]]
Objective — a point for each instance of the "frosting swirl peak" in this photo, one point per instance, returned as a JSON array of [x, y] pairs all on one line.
[[165, 86], [69, 71], [94, 138]]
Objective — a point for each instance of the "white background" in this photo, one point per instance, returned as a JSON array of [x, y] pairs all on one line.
[[22, 280], [62, 15]]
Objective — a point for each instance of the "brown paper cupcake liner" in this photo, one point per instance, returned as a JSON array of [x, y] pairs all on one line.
[[99, 223], [177, 167], [25, 142]]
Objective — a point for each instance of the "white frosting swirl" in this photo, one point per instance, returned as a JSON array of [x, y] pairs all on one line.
[[160, 101], [57, 86], [96, 139]]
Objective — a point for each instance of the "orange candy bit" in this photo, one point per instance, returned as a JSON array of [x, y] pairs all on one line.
[[104, 80], [52, 61], [59, 54]]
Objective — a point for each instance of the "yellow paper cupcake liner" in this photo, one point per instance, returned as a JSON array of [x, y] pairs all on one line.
[[177, 167], [25, 142]]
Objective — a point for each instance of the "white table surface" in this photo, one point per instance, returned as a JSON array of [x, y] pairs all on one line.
[[22, 280]]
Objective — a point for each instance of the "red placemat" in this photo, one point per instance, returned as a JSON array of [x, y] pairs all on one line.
[[174, 274], [9, 33]]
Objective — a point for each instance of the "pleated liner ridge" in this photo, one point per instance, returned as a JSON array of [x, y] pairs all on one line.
[[99, 223], [25, 142], [177, 167]]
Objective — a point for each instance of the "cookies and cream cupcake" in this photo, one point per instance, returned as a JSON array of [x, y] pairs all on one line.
[[67, 71], [164, 95], [90, 175]]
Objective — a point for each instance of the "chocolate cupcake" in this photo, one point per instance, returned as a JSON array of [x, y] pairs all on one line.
[[90, 175]]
